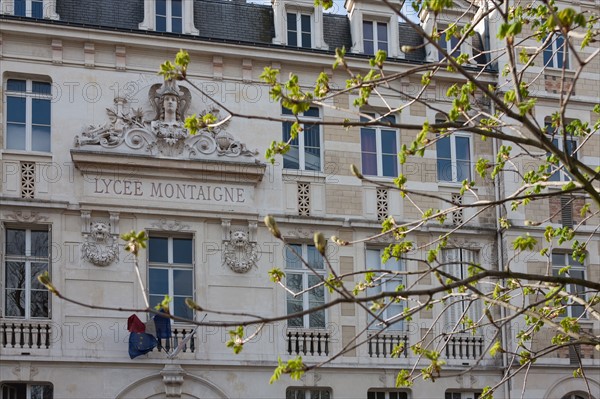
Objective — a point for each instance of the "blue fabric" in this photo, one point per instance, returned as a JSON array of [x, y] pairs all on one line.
[[163, 326], [140, 344]]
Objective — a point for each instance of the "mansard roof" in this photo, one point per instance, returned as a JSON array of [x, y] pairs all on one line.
[[222, 20]]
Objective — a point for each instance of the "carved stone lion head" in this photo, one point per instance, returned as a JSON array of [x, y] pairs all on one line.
[[239, 238], [100, 231]]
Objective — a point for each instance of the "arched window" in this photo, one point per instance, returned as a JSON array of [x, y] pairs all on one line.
[[576, 396]]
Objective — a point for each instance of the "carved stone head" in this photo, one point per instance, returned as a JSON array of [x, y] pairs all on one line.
[[100, 231], [239, 238]]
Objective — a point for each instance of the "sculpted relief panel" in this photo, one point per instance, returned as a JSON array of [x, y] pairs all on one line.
[[165, 134]]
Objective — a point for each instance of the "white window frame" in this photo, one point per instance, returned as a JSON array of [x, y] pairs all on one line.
[[305, 272], [386, 282], [453, 159], [169, 17], [298, 14], [171, 267], [386, 393], [379, 150], [459, 268], [307, 393], [552, 46], [462, 395], [5, 388], [375, 22], [29, 96], [149, 22], [48, 8], [301, 147], [28, 259], [570, 288]]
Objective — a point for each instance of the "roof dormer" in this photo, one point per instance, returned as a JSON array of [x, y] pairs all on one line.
[[30, 8], [298, 23], [173, 16], [455, 15], [374, 26]]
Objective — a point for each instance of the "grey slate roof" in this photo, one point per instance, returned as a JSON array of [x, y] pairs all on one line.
[[234, 20], [123, 14], [228, 20]]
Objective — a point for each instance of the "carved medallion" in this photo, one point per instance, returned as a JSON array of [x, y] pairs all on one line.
[[100, 246], [240, 250]]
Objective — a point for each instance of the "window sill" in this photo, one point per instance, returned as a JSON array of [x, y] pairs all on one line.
[[23, 155], [304, 175], [553, 71]]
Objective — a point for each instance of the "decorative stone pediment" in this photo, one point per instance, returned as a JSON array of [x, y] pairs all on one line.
[[164, 135]]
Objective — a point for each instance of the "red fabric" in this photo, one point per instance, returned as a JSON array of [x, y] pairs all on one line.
[[135, 325]]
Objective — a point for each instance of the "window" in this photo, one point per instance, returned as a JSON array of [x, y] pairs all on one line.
[[462, 395], [386, 282], [28, 115], [557, 140], [456, 262], [308, 393], [14, 390], [171, 272], [299, 278], [575, 269], [454, 157], [299, 30], [29, 8], [386, 394], [375, 37], [448, 45], [305, 150], [556, 55], [27, 257], [379, 149], [169, 16]]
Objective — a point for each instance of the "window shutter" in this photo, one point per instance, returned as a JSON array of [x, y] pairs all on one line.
[[566, 211]]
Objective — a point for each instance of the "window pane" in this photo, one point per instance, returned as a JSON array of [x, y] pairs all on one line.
[[15, 242], [306, 40], [37, 9], [15, 302], [41, 88], [463, 170], [291, 159], [293, 283], [286, 129], [443, 147], [15, 108], [548, 56], [369, 48], [368, 30], [15, 139], [39, 243], [158, 249], [161, 24], [158, 281], [180, 309], [313, 112], [176, 25], [463, 148], [183, 283], [40, 138], [161, 7], [305, 23], [291, 22], [292, 38], [39, 303], [369, 164], [19, 8], [558, 259], [367, 140], [317, 319], [312, 145], [154, 300], [36, 270], [15, 275], [16, 85], [176, 8], [41, 392], [390, 166], [388, 142], [315, 260], [444, 170], [292, 261], [182, 250]]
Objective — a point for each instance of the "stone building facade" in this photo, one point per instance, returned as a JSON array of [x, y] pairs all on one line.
[[92, 145]]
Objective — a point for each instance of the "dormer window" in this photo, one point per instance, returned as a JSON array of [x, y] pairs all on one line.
[[173, 16], [449, 45], [375, 37], [169, 16], [29, 8], [299, 29]]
